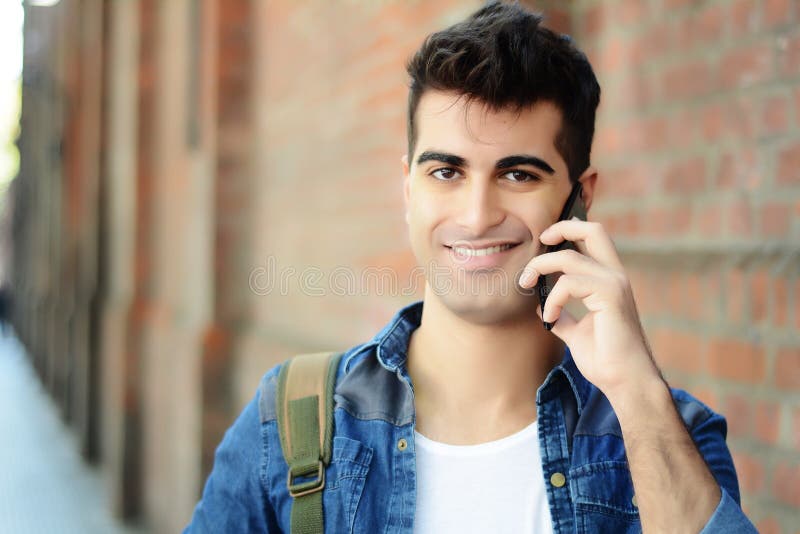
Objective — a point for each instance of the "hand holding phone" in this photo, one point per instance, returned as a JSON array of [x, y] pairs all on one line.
[[574, 207]]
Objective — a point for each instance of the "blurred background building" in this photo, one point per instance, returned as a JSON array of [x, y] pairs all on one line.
[[185, 163]]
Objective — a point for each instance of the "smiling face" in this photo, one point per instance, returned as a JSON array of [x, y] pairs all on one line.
[[479, 190]]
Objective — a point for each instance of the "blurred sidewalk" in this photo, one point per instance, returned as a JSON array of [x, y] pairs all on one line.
[[45, 486]]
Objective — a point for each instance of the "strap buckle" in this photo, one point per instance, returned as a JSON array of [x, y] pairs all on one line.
[[304, 488]]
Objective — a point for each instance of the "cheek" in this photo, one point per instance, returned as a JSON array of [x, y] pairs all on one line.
[[425, 217], [536, 215]]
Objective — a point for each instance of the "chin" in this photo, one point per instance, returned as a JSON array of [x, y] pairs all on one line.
[[486, 308]]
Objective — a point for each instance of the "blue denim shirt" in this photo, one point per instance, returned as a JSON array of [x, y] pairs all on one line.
[[371, 481]]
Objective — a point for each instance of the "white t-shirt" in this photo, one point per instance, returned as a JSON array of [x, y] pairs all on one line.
[[495, 487]]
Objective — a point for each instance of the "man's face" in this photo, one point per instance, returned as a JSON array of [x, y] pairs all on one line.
[[480, 180]]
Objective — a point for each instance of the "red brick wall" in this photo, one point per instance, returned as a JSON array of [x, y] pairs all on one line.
[[699, 139]]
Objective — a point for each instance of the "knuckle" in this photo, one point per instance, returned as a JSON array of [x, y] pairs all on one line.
[[621, 281]]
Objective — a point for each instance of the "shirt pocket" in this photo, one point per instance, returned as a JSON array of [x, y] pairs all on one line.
[[603, 497], [344, 483]]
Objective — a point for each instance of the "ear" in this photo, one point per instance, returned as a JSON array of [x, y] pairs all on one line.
[[588, 180], [406, 182]]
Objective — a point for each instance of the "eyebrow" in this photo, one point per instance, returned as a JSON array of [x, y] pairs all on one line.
[[503, 163]]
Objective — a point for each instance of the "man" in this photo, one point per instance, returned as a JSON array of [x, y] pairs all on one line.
[[466, 414]]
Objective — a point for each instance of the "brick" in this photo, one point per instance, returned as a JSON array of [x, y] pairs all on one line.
[[789, 56], [595, 20], [796, 99], [632, 180], [713, 122], [672, 5], [684, 126], [768, 525], [656, 133], [608, 141], [648, 134], [739, 414], [780, 293], [767, 418], [703, 27], [644, 294], [736, 360], [680, 351], [787, 369], [741, 118], [612, 55], [796, 429], [775, 115], [651, 45], [695, 304], [777, 13], [738, 169], [739, 218], [686, 176], [676, 297], [734, 304], [558, 20], [759, 287], [796, 294], [708, 220], [681, 219], [788, 171], [775, 219], [657, 222], [685, 80], [630, 223], [630, 12], [712, 298], [750, 472], [786, 483], [743, 17], [744, 67]]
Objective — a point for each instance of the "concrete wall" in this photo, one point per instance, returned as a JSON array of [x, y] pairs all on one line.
[[176, 155]]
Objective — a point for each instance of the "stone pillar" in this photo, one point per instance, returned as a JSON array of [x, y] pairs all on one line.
[[119, 414]]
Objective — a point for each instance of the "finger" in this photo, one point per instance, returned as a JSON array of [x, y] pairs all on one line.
[[590, 238], [528, 276], [566, 261], [590, 290]]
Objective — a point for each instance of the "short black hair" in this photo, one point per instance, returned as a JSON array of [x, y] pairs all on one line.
[[502, 56]]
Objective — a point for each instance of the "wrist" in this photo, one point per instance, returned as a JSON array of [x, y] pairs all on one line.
[[641, 399]]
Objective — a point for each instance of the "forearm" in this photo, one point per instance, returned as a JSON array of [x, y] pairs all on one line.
[[675, 490]]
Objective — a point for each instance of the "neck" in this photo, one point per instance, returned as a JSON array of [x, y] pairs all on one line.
[[477, 382]]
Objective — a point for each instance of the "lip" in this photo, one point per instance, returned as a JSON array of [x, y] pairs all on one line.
[[470, 263], [480, 244]]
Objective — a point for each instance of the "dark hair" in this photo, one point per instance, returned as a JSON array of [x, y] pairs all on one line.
[[503, 57]]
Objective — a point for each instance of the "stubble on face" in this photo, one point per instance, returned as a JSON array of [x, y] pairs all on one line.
[[438, 212]]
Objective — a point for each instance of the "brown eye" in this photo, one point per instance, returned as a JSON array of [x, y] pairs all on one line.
[[521, 176], [445, 174]]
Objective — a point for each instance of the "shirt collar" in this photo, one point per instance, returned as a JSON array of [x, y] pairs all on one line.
[[391, 350]]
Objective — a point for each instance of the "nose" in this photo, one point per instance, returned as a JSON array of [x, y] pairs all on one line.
[[480, 207]]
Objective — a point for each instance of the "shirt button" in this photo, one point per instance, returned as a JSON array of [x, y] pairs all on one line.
[[633, 502], [402, 444], [558, 479]]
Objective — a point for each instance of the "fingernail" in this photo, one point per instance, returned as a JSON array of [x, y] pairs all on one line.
[[527, 277]]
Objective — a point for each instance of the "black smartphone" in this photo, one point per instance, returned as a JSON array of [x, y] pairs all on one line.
[[574, 207]]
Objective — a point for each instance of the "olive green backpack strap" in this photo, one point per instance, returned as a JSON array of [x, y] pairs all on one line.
[[304, 405]]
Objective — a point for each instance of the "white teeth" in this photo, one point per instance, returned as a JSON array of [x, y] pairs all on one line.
[[480, 251]]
